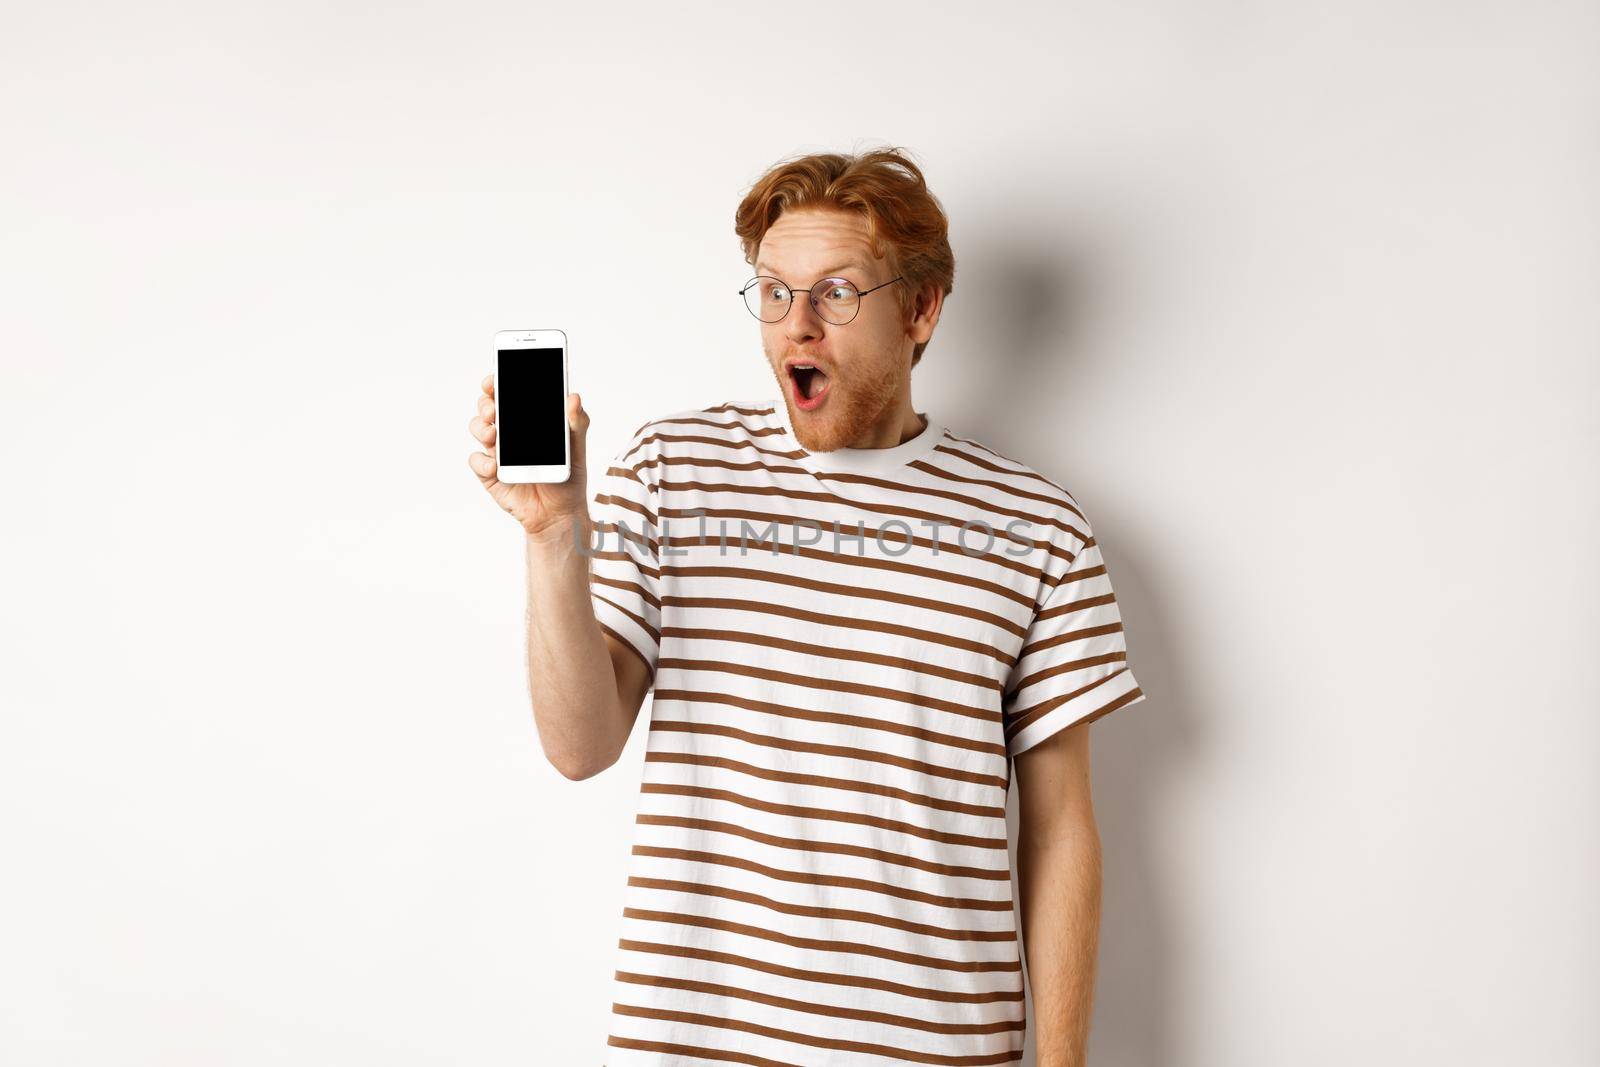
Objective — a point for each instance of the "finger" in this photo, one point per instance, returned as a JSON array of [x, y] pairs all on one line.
[[488, 385], [578, 423], [485, 406], [483, 465], [483, 430]]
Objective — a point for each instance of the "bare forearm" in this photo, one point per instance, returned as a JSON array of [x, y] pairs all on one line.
[[1059, 876], [580, 718]]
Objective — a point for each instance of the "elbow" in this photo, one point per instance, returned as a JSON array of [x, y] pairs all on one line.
[[577, 770]]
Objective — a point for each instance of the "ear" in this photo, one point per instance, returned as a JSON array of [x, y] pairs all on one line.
[[925, 309]]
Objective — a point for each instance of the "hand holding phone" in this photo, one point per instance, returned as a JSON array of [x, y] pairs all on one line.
[[534, 431]]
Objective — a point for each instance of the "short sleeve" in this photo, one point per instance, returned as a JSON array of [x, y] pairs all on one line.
[[1073, 667], [624, 568]]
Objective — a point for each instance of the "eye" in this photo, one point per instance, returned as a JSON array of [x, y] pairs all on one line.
[[778, 292], [840, 292]]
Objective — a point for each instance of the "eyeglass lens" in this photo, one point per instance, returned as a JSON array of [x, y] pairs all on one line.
[[834, 299]]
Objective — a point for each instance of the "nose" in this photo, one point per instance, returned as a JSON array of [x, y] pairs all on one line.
[[802, 323]]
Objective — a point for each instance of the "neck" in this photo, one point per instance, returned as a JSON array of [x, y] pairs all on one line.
[[900, 423]]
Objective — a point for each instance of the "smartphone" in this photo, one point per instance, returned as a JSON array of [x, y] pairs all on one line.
[[532, 443]]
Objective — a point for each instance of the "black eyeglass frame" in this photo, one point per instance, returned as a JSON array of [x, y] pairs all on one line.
[[812, 293]]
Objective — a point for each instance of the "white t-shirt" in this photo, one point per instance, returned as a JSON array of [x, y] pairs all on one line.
[[820, 871]]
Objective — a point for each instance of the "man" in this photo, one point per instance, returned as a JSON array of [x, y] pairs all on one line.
[[855, 621]]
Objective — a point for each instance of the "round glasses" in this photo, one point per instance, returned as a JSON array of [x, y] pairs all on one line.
[[834, 299]]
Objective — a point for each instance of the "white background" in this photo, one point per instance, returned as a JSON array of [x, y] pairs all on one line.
[[1299, 300]]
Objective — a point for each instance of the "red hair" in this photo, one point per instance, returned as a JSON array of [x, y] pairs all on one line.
[[905, 222]]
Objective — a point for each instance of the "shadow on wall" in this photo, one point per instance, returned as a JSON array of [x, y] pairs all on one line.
[[1029, 313]]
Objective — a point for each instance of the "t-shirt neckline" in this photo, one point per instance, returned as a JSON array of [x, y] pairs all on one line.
[[864, 460]]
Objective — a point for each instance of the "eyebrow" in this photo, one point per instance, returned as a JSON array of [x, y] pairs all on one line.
[[851, 265]]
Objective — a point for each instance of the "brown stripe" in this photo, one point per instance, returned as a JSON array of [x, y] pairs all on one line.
[[1076, 605], [1024, 719], [732, 406], [1063, 499], [949, 996], [855, 592], [695, 460], [612, 500], [822, 618], [629, 473], [707, 889], [799, 845], [1069, 637], [960, 498], [697, 1019], [855, 948], [784, 493], [715, 442], [623, 557], [811, 648], [1065, 668], [631, 587], [1085, 574], [690, 420], [803, 811], [1121, 702], [1017, 469], [789, 711], [791, 745], [603, 528], [999, 1026], [858, 532], [866, 885], [985, 811], [655, 634], [835, 685], [673, 1049], [774, 548]]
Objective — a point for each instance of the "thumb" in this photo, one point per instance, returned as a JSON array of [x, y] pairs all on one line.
[[578, 424]]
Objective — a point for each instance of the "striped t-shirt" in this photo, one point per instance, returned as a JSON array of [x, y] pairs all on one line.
[[820, 872]]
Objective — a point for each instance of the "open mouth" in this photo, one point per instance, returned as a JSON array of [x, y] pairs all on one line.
[[810, 384]]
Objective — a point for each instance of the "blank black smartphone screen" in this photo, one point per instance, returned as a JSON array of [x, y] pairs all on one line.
[[530, 408]]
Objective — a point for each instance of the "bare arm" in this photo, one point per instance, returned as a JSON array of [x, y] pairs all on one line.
[[1058, 875], [586, 687]]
